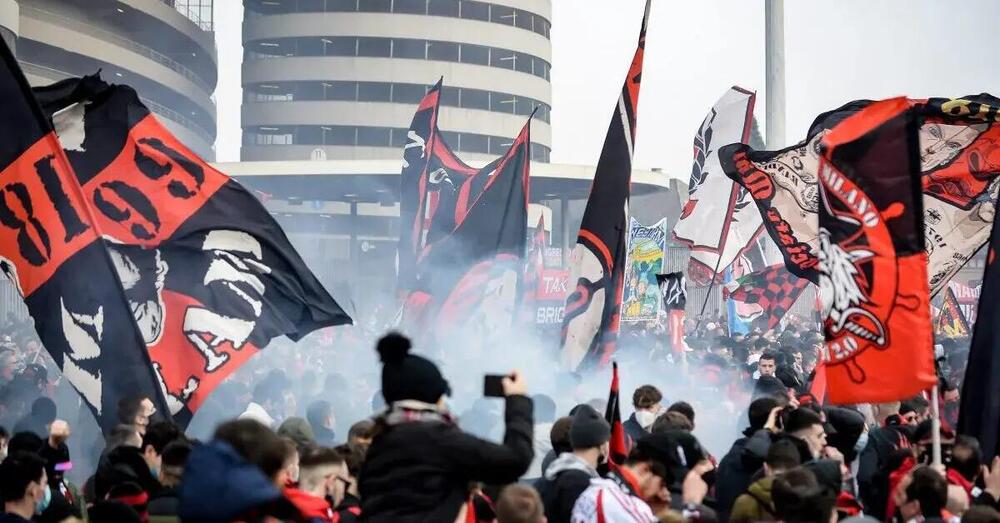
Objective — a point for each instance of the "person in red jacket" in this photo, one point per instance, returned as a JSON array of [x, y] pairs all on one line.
[[319, 469]]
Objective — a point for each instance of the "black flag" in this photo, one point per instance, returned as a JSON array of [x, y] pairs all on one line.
[[209, 276], [673, 290], [593, 308]]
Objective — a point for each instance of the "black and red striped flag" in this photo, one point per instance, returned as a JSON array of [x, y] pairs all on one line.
[[619, 444], [775, 289], [593, 308]]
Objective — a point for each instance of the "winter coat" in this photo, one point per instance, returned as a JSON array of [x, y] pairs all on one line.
[[565, 479], [736, 470], [874, 468], [219, 485], [420, 470], [755, 505], [313, 508], [165, 504], [633, 429], [125, 464], [615, 499], [348, 511]]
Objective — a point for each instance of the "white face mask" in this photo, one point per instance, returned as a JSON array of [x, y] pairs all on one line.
[[645, 418]]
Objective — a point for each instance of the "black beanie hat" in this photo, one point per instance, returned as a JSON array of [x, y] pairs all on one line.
[[407, 376], [588, 429]]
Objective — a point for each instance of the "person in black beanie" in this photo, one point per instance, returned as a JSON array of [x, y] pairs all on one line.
[[570, 474], [420, 464]]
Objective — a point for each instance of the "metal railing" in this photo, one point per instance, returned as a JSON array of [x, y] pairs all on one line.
[[191, 13], [80, 25], [157, 108]]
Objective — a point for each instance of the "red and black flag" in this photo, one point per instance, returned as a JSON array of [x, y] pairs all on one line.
[[872, 264], [591, 321], [51, 249], [979, 414], [469, 279], [775, 289], [209, 277], [619, 444], [951, 321], [673, 293]]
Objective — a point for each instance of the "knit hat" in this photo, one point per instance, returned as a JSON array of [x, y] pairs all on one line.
[[407, 376], [298, 430], [589, 429]]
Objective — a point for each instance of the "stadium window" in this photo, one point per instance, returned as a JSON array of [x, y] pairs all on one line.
[[474, 143], [472, 10], [475, 54], [408, 93], [522, 62], [374, 136], [342, 5], [415, 7], [311, 46], [443, 51], [409, 48], [371, 46], [523, 19], [312, 6], [375, 6], [399, 137], [309, 135], [475, 99], [449, 96], [374, 92], [450, 138], [339, 135], [340, 45], [502, 103], [501, 14], [502, 58], [499, 144], [310, 91], [448, 8], [347, 91]]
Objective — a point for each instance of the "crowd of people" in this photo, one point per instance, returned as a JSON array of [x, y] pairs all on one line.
[[395, 440]]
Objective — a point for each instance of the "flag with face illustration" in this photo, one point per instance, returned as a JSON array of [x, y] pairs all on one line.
[[959, 161], [719, 220], [591, 320], [872, 265], [209, 276]]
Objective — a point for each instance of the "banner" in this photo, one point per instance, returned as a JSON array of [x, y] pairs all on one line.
[[979, 413], [534, 267], [673, 290], [644, 261], [470, 278], [773, 289], [951, 322], [967, 299], [719, 220], [207, 276], [872, 264], [959, 161], [592, 319]]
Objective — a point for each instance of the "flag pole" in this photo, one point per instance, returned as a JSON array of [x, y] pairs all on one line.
[[935, 427], [711, 285]]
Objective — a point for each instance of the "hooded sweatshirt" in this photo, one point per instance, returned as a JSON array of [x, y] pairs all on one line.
[[756, 504], [565, 479]]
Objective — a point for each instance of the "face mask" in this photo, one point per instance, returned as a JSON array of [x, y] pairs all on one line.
[[645, 418], [862, 442], [44, 502]]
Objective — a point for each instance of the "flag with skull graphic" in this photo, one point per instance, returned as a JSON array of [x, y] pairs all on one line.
[[209, 277], [593, 308], [872, 265]]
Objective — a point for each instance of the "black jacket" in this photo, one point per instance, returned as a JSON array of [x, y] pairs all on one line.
[[164, 504], [565, 479], [737, 468], [124, 464], [348, 511], [874, 468], [633, 430], [420, 471]]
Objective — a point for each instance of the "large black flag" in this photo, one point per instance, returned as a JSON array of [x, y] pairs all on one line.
[[209, 276], [470, 278], [979, 414], [51, 249], [673, 290], [591, 322]]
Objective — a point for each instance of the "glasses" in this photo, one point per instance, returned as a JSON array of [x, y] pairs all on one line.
[[347, 483]]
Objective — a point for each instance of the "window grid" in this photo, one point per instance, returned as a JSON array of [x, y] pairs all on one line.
[[466, 9]]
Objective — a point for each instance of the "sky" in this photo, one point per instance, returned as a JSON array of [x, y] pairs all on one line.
[[696, 49]]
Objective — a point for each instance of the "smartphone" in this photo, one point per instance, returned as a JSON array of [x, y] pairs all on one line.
[[493, 385]]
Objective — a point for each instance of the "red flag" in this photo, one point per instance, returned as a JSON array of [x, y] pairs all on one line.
[[818, 387], [613, 413], [872, 259]]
